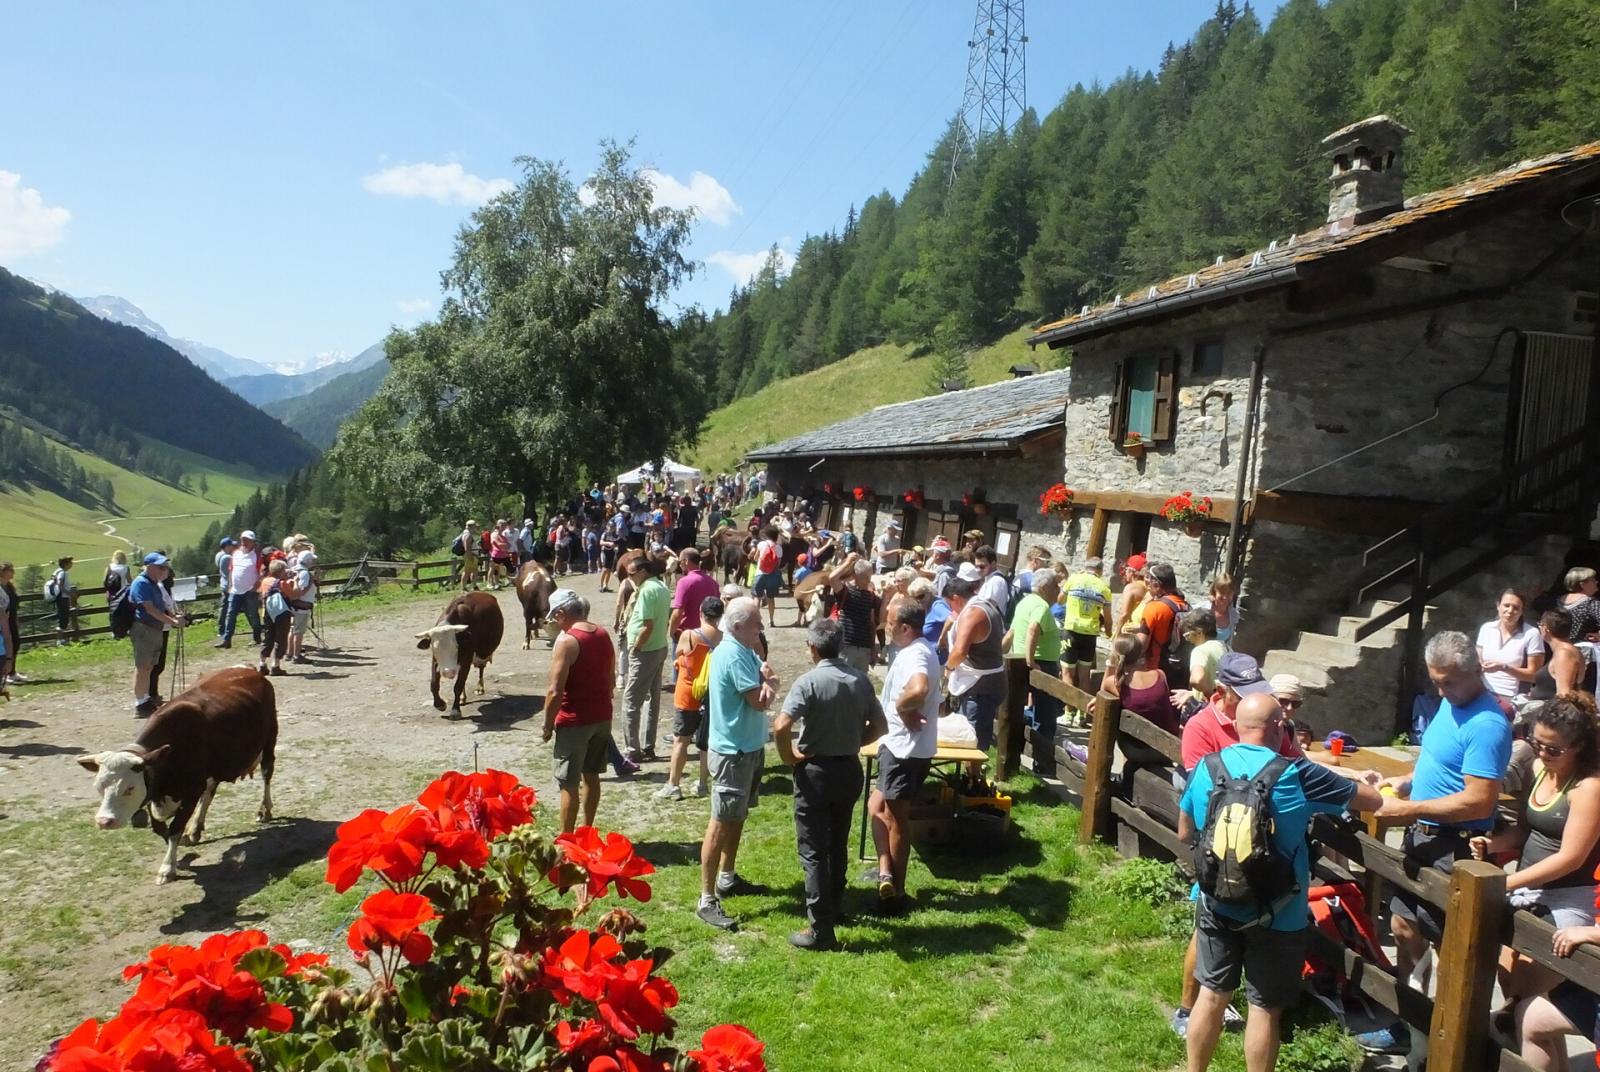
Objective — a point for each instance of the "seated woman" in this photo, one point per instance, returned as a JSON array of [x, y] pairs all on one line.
[[1510, 649], [1558, 832], [1544, 1022], [1143, 692], [1562, 671]]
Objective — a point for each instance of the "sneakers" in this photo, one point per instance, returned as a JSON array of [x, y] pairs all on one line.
[[885, 887], [627, 768], [1077, 752], [649, 756], [1180, 1022], [713, 914], [223, 644], [1232, 1020], [669, 792], [1394, 1039], [16, 679], [700, 789], [144, 710], [736, 886], [810, 939]]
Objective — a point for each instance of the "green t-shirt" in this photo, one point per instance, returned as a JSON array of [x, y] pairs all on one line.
[[1030, 609], [650, 604], [1206, 657], [1084, 595]]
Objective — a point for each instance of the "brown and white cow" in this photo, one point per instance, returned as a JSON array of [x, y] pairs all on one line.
[[220, 730], [466, 635], [533, 590]]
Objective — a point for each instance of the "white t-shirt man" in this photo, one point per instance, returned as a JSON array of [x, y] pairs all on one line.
[[995, 591], [902, 742], [1524, 642], [888, 540], [245, 572]]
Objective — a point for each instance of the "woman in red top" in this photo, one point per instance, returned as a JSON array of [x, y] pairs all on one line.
[[577, 705]]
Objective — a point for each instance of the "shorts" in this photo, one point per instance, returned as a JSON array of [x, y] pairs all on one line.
[[302, 619], [1438, 851], [1081, 648], [580, 750], [687, 723], [608, 557], [1561, 906], [146, 643], [1270, 961], [899, 779], [1577, 1005], [980, 712], [735, 782], [857, 656], [768, 584]]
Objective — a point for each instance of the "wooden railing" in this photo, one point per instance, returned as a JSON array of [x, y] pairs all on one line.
[[1141, 820], [36, 616]]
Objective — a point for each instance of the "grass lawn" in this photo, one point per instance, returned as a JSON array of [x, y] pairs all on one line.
[[37, 527], [866, 379]]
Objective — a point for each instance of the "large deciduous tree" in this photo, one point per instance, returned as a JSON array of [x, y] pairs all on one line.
[[550, 363]]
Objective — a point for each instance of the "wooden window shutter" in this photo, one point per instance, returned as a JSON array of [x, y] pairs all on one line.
[[1119, 403], [1166, 400]]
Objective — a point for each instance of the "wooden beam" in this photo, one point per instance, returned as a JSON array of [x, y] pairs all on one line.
[[1010, 721], [1144, 731], [1097, 533], [1353, 514], [1070, 695], [1143, 502], [1097, 772], [1458, 1039]]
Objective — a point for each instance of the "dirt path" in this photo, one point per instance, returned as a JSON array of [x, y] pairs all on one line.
[[356, 730]]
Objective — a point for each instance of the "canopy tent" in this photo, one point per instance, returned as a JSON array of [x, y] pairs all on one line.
[[670, 470]]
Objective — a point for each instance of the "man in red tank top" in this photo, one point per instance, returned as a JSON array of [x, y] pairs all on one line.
[[577, 706]]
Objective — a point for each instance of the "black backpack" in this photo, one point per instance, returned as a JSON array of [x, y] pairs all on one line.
[[1236, 862], [1175, 655], [122, 611], [457, 548]]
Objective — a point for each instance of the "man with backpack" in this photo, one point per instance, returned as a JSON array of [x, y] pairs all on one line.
[[1165, 646], [769, 573], [1252, 806]]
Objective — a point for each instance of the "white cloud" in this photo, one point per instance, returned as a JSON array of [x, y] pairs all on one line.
[[27, 224], [445, 183], [708, 197], [744, 266], [415, 306]]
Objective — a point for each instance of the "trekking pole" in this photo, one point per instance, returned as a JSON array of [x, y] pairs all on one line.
[[180, 674]]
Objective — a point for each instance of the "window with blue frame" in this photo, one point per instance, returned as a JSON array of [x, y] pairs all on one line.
[[1144, 397]]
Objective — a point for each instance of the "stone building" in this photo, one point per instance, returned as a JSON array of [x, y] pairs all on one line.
[[946, 464], [1418, 369]]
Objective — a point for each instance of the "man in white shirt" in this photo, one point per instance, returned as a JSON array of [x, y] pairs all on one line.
[[994, 590], [887, 548], [910, 704], [243, 574]]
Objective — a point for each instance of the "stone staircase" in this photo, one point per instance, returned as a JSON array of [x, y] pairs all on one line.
[[1350, 684]]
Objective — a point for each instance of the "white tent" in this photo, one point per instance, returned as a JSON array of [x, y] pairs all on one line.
[[671, 470]]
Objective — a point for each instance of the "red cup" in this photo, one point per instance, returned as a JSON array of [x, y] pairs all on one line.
[[1336, 746]]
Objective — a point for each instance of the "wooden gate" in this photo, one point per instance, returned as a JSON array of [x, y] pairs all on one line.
[[1551, 401]]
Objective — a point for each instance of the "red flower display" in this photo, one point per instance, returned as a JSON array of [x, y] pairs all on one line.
[[1056, 499], [913, 497], [730, 1048], [489, 803], [862, 493], [207, 980], [391, 843], [635, 1002], [392, 920], [174, 1040], [608, 861], [579, 966], [1184, 507]]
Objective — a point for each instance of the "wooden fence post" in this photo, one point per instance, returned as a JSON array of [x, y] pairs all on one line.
[[1458, 1037], [1010, 731], [1097, 771]]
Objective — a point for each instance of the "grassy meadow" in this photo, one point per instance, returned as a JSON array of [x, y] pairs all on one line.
[[868, 378]]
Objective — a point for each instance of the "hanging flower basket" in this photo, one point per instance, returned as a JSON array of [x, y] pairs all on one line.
[[1057, 500], [1133, 444], [1186, 510], [862, 493], [913, 498], [975, 500]]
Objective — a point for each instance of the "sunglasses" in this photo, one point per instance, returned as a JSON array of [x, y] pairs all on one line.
[[1550, 750], [1290, 705]]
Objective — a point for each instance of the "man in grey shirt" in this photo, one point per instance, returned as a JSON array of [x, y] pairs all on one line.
[[831, 711]]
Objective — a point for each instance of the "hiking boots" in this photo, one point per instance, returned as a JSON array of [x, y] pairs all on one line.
[[713, 914]]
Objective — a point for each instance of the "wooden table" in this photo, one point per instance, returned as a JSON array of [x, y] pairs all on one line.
[[943, 756], [1389, 762]]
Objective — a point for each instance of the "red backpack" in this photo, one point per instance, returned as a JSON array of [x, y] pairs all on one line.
[[1339, 912], [769, 558]]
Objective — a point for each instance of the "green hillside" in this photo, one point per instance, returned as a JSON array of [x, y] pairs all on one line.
[[866, 379], [38, 526], [318, 414]]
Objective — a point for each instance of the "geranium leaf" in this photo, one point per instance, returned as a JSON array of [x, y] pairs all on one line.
[[415, 1001], [262, 963]]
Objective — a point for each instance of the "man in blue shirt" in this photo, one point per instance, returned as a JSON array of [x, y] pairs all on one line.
[[153, 616], [1449, 798], [741, 689], [1268, 954]]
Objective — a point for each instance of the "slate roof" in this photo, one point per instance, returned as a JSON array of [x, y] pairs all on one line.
[[997, 417], [1284, 262]]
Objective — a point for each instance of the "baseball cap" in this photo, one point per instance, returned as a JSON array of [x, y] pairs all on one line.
[[563, 599], [969, 572], [1135, 562], [1286, 687], [1242, 674], [155, 558], [248, 534], [227, 541], [308, 559], [939, 544], [893, 525]]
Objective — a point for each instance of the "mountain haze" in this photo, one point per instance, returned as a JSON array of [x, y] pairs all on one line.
[[318, 414], [267, 387], [219, 363]]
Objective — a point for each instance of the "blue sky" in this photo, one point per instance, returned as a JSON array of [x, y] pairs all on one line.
[[286, 180]]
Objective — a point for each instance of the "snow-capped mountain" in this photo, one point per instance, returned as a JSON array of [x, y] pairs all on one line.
[[219, 363]]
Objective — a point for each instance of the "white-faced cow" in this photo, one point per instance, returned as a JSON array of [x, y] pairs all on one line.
[[221, 730], [466, 635], [533, 589]]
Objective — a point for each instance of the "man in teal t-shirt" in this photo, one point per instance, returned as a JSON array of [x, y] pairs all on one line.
[[646, 653], [741, 689], [1268, 955]]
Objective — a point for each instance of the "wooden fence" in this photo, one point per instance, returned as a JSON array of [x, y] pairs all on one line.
[[1141, 820], [36, 616]]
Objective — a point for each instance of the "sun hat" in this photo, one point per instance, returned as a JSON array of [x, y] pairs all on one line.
[[1286, 687], [969, 572], [893, 525], [562, 599], [155, 558], [248, 534], [308, 559], [1242, 674]]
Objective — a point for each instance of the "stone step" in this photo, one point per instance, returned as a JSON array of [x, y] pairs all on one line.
[[1313, 674], [1328, 650]]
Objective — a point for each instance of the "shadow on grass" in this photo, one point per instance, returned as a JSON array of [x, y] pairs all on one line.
[[504, 712], [248, 862], [669, 853]]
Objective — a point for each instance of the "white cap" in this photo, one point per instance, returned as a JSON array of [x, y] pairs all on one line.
[[968, 572], [247, 534], [562, 599]]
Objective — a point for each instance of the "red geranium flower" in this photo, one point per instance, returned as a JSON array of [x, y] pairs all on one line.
[[636, 1002], [609, 861], [730, 1048], [585, 1039], [627, 1058], [489, 802], [174, 1040], [390, 919], [391, 843], [207, 980], [579, 966]]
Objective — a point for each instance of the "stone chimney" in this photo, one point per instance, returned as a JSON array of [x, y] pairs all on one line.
[[1368, 171]]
